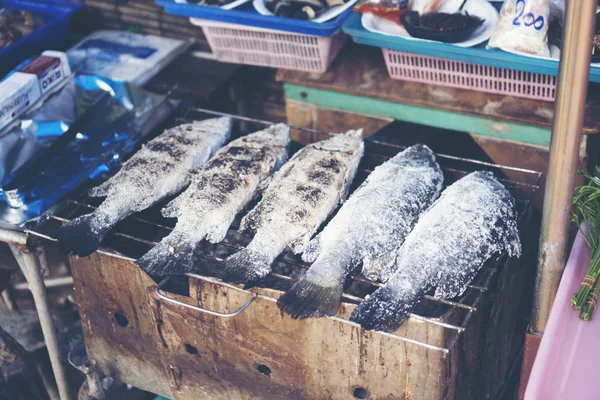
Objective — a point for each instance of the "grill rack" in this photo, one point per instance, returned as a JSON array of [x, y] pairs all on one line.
[[469, 302]]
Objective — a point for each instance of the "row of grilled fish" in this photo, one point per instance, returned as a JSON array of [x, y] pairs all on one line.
[[392, 223]]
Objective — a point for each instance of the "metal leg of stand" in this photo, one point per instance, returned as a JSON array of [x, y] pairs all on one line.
[[30, 264], [8, 300], [47, 381], [565, 147]]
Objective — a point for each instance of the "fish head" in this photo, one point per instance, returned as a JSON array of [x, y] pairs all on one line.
[[349, 142], [280, 135], [219, 128], [418, 156]]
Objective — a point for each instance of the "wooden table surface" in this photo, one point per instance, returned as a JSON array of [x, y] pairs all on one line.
[[361, 70]]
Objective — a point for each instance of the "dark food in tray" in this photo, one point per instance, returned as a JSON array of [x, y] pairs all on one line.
[[14, 24], [441, 27], [301, 9]]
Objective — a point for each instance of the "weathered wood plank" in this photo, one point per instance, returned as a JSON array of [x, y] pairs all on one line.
[[436, 117]]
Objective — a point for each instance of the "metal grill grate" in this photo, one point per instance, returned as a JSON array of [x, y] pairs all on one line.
[[137, 234]]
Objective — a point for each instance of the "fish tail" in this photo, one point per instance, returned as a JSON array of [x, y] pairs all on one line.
[[173, 255], [311, 298], [83, 235], [246, 266], [386, 309]]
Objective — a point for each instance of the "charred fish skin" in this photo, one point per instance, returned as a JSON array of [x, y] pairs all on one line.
[[159, 169], [373, 222], [218, 192], [473, 220], [302, 194]]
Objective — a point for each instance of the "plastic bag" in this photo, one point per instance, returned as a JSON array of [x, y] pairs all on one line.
[[428, 6], [523, 27], [124, 56], [389, 9], [104, 137]]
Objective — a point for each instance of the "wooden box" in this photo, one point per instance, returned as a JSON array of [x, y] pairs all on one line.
[[181, 353]]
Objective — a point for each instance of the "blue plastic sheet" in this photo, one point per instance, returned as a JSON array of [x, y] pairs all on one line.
[[102, 140]]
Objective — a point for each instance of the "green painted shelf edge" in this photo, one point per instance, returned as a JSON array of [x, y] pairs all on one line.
[[515, 132]]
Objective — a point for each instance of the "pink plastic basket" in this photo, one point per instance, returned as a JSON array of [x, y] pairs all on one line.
[[241, 44], [464, 75]]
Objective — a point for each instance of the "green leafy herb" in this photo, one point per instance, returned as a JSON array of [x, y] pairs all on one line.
[[586, 203]]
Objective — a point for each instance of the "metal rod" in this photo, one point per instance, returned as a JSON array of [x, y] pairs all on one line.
[[47, 382], [49, 283], [465, 322], [13, 237], [31, 264], [564, 155], [398, 146], [198, 308], [40, 252], [237, 247], [342, 320]]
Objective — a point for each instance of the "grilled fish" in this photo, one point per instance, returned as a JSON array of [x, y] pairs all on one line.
[[159, 169], [217, 193], [371, 224], [301, 196], [473, 220]]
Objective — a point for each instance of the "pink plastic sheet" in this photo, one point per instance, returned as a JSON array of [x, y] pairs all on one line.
[[567, 365]]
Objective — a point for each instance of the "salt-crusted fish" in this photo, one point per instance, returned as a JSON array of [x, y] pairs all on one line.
[[217, 193], [371, 224], [301, 196], [473, 220], [159, 169]]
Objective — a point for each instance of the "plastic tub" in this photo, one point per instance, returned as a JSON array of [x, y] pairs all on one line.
[[248, 16], [242, 44], [566, 366], [51, 36]]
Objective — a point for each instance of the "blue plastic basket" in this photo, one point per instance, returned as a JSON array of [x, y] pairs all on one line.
[[247, 15], [475, 55], [52, 36]]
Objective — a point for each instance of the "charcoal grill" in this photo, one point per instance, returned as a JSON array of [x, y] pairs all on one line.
[[194, 336]]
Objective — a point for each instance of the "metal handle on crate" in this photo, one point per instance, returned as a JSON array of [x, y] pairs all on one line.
[[198, 308]]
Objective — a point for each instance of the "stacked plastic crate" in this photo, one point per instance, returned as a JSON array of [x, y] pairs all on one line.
[[244, 36]]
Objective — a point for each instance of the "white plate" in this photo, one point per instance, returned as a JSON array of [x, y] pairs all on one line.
[[261, 8], [476, 8], [229, 6]]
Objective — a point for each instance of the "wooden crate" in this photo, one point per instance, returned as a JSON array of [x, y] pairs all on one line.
[[262, 354]]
